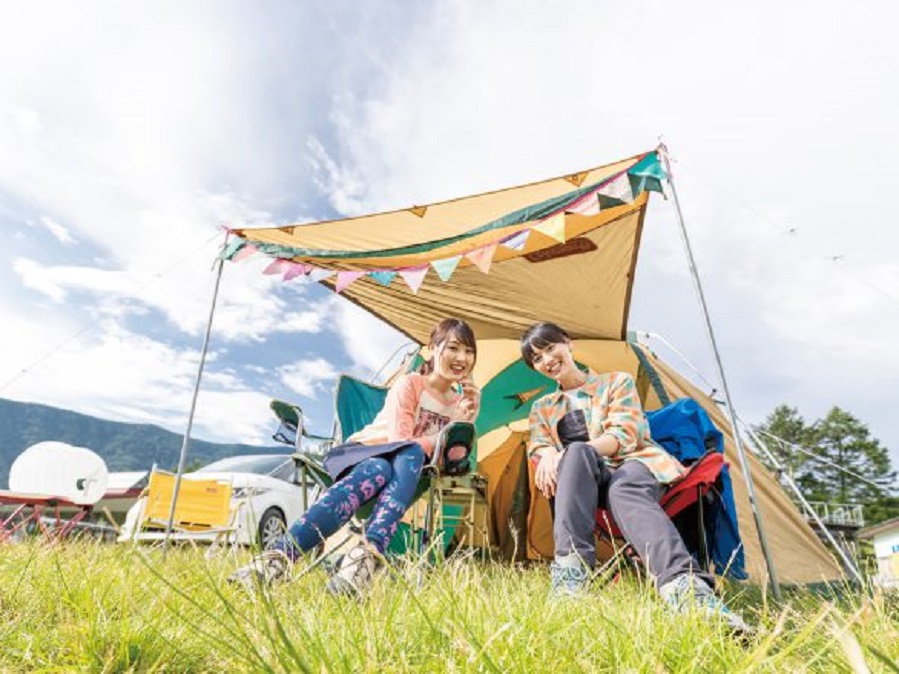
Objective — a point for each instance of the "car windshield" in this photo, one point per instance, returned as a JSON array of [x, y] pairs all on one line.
[[261, 465]]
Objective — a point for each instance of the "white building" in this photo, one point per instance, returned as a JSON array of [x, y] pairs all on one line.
[[885, 537]]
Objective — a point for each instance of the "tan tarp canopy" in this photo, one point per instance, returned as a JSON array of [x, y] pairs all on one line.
[[521, 287]]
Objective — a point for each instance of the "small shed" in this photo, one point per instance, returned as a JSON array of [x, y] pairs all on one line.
[[885, 537]]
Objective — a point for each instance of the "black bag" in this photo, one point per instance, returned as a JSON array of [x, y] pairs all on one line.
[[572, 428]]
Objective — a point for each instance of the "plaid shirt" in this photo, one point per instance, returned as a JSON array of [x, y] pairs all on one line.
[[612, 407]]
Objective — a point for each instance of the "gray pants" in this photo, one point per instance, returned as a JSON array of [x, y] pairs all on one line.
[[633, 499]]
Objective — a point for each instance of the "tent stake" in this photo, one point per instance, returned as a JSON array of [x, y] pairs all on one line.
[[744, 462], [193, 406]]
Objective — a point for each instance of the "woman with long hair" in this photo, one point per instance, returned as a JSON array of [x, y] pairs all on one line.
[[382, 463]]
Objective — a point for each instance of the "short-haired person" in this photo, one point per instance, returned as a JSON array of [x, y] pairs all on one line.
[[383, 463], [613, 464]]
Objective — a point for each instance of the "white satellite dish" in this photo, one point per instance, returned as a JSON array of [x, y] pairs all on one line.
[[58, 469]]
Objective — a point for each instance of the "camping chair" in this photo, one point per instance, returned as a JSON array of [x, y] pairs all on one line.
[[709, 529], [452, 502], [203, 511], [691, 493], [456, 505], [311, 475]]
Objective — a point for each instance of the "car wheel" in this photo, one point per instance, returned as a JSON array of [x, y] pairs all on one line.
[[271, 527]]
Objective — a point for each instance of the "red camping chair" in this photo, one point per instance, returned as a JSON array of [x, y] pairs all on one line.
[[689, 490]]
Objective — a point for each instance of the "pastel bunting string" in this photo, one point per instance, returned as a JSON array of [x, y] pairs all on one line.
[[622, 188]]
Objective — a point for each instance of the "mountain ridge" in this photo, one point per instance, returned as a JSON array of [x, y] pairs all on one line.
[[123, 445]]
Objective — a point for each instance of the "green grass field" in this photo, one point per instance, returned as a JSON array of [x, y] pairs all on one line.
[[98, 608]]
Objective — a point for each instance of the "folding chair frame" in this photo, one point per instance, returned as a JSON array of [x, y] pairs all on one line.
[[467, 491], [31, 509], [197, 528], [692, 488]]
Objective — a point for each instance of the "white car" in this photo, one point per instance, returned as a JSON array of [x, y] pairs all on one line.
[[266, 493]]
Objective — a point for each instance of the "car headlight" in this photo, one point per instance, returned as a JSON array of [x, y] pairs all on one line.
[[247, 492]]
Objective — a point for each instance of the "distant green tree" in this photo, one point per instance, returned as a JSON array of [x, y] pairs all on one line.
[[790, 429], [847, 442], [841, 443], [883, 509]]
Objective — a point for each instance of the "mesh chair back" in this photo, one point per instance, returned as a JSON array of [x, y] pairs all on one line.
[[358, 403]]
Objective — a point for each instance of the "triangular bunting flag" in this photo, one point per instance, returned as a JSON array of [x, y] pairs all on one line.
[[614, 192], [345, 278], [315, 275], [649, 167], [646, 184], [246, 251], [586, 205], [230, 249], [482, 257], [516, 241], [553, 227], [419, 210], [277, 266], [414, 276], [577, 179], [295, 269], [445, 268], [647, 174], [382, 277]]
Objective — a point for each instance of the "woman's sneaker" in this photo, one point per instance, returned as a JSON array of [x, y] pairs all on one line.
[[356, 570], [272, 566], [687, 590], [568, 577]]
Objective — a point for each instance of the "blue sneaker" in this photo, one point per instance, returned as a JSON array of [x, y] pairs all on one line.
[[568, 576], [688, 591]]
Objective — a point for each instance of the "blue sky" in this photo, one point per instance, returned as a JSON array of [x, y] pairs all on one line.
[[129, 134]]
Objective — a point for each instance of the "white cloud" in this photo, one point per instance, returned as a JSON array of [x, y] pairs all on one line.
[[371, 343], [61, 233], [113, 373], [23, 120], [308, 377], [54, 282], [167, 133], [102, 369], [141, 165], [241, 416]]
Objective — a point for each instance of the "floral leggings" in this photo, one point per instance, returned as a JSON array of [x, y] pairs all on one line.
[[391, 479]]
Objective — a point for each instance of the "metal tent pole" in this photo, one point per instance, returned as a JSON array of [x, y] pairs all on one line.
[[193, 406], [744, 462]]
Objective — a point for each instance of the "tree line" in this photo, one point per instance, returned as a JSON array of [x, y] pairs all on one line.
[[833, 459]]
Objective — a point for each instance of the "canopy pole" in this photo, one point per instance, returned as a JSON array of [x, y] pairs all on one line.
[[193, 406], [744, 462]]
